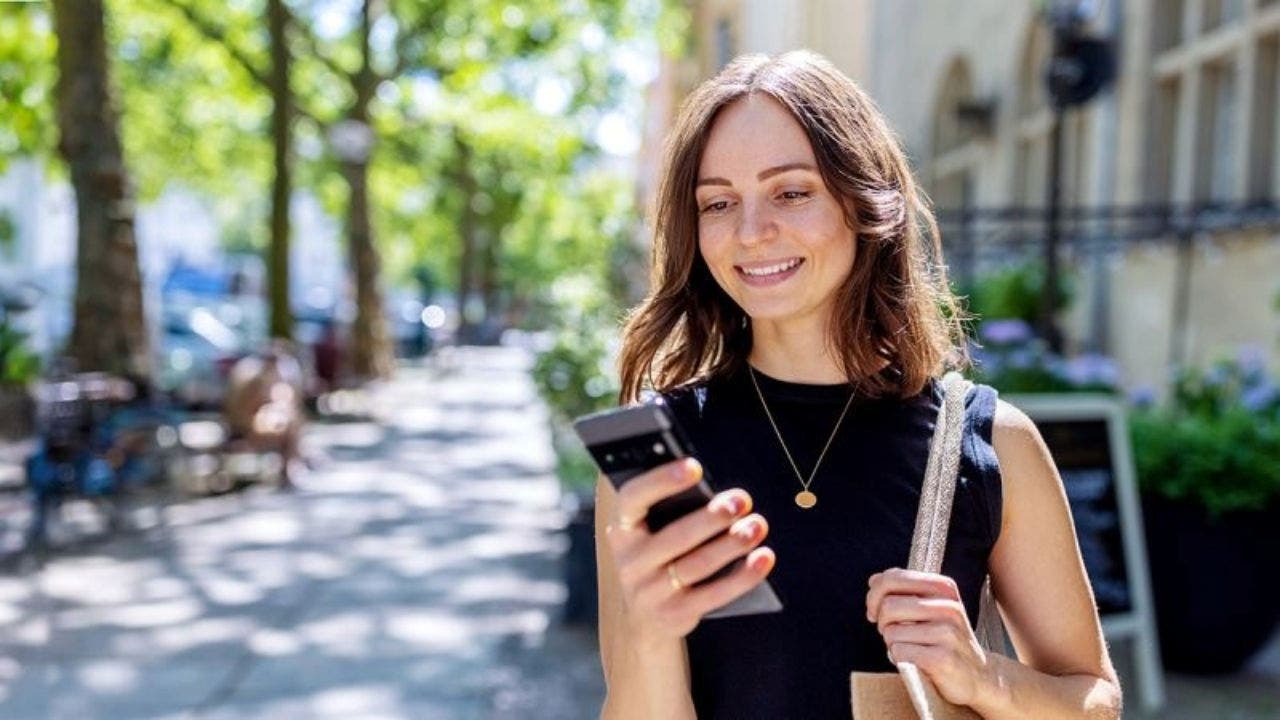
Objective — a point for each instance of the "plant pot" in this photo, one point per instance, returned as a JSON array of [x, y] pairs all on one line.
[[580, 606], [17, 413], [1214, 583]]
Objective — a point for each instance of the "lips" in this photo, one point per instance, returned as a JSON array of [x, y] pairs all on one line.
[[769, 272]]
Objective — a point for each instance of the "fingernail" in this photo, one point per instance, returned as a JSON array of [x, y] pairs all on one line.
[[747, 530], [688, 469], [728, 504], [759, 562]]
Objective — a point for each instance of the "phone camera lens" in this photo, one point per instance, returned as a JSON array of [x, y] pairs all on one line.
[[659, 449]]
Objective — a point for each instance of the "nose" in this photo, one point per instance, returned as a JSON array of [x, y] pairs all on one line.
[[757, 224]]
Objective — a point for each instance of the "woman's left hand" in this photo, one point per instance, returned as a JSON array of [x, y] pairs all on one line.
[[922, 620]]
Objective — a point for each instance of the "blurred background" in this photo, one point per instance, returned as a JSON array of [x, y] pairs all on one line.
[[298, 298]]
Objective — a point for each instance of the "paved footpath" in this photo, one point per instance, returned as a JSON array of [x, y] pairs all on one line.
[[415, 575]]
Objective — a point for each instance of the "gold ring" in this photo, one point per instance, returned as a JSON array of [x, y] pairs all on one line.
[[676, 583]]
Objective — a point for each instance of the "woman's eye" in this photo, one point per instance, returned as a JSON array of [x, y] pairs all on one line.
[[793, 195], [715, 207]]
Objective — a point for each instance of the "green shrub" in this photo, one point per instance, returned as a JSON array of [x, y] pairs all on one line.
[[18, 365], [1217, 443], [575, 376], [1013, 293]]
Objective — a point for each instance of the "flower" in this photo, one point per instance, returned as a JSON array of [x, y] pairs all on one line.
[[1260, 398], [1142, 397], [1091, 369], [1005, 332]]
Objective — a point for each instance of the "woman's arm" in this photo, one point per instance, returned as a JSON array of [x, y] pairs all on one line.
[[1043, 593], [1039, 580]]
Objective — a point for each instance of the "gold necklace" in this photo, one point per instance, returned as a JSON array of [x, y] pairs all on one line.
[[805, 498]]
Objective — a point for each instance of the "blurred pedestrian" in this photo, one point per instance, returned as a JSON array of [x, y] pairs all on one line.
[[798, 324], [264, 406]]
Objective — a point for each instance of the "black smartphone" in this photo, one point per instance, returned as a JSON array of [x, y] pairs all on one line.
[[626, 442]]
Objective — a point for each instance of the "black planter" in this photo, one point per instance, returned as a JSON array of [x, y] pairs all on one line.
[[1215, 583], [581, 606]]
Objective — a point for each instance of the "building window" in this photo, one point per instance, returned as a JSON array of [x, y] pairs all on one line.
[[1215, 133], [1220, 12], [1163, 139], [1168, 16], [1262, 145]]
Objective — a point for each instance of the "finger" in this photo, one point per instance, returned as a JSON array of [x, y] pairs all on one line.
[[707, 560], [929, 658], [897, 581], [718, 593], [692, 530], [921, 633], [638, 494], [910, 609]]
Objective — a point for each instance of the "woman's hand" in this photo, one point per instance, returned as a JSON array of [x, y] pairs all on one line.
[[922, 620], [659, 572]]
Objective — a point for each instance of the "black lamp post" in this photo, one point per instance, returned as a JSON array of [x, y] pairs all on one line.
[[1079, 67]]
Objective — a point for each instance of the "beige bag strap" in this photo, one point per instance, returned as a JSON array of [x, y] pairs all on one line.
[[933, 520]]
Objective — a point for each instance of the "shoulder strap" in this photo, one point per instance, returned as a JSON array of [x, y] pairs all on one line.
[[933, 519]]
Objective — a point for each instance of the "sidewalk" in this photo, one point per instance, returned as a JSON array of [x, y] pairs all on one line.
[[415, 575]]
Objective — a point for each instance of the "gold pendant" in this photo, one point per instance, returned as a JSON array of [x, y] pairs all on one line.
[[806, 499]]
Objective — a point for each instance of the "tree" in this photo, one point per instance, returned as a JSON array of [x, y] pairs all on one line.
[[282, 184], [457, 45], [109, 329]]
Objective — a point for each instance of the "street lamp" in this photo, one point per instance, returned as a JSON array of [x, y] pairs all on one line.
[[1080, 66]]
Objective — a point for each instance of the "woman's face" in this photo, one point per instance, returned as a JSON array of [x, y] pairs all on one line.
[[772, 234]]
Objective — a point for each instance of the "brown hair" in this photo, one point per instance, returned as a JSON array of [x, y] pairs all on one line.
[[896, 323]]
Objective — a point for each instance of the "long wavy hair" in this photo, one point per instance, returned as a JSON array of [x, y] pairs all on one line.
[[896, 323]]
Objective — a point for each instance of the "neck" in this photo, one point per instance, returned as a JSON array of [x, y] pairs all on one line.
[[795, 351]]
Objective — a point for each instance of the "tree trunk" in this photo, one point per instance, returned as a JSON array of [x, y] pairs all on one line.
[[489, 280], [281, 186], [467, 234], [109, 330], [371, 348]]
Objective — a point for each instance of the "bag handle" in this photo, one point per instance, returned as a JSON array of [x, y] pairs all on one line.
[[933, 518], [933, 521]]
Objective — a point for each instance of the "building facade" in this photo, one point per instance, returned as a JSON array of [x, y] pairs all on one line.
[[1169, 177]]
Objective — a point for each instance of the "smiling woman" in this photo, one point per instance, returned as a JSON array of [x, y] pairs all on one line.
[[798, 326]]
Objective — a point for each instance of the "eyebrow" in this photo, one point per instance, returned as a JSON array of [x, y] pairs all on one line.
[[762, 175]]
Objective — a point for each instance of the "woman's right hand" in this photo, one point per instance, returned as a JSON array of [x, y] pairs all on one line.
[[658, 572]]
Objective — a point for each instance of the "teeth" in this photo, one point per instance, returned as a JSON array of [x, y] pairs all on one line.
[[772, 269]]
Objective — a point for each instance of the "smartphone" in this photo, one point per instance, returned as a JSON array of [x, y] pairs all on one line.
[[626, 442]]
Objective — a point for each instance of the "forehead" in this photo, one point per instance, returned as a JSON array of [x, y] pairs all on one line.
[[751, 134]]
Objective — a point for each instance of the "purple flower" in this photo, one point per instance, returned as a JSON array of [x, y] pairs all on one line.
[[1091, 369], [1143, 396], [1005, 332], [1260, 397], [1022, 359]]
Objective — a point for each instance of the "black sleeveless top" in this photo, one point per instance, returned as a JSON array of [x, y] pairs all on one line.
[[796, 663]]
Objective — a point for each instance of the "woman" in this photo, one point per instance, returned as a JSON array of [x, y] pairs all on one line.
[[797, 325]]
